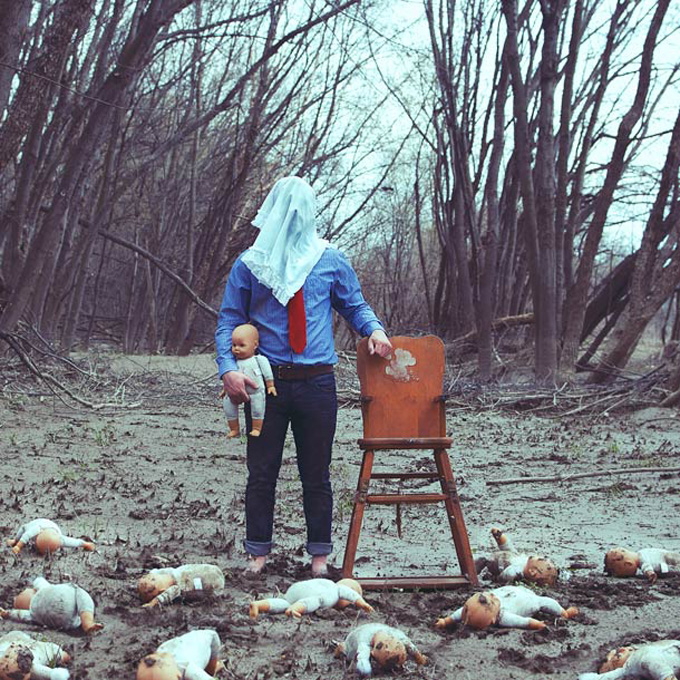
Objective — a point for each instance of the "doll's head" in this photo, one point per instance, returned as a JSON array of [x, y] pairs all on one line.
[[481, 610], [621, 562], [16, 663], [353, 585], [158, 666], [23, 599], [48, 541], [244, 341], [387, 651], [153, 584], [540, 570], [616, 658]]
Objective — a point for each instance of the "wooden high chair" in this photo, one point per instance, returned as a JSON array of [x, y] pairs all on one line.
[[403, 408]]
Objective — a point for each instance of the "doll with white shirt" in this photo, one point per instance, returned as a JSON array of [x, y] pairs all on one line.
[[387, 647], [61, 606], [508, 565], [192, 656], [162, 586], [46, 536], [244, 343], [650, 561], [22, 657], [652, 661], [305, 597], [509, 607]]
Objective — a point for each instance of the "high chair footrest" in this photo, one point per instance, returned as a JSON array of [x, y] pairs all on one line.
[[376, 443]]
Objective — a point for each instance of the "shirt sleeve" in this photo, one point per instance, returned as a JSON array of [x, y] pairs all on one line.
[[233, 312], [348, 300]]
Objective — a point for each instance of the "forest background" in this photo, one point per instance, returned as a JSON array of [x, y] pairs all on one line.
[[501, 174]]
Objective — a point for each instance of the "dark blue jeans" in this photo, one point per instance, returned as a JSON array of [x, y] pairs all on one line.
[[310, 406]]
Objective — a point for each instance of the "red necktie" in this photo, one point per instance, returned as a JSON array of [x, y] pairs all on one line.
[[297, 323]]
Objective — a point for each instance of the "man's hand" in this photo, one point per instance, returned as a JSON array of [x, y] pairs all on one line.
[[379, 343], [234, 385]]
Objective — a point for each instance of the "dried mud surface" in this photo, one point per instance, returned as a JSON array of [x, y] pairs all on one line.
[[161, 485]]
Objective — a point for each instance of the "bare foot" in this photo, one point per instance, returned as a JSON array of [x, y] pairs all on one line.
[[319, 567], [256, 564]]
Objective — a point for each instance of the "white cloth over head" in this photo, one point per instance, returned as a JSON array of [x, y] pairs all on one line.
[[288, 246]]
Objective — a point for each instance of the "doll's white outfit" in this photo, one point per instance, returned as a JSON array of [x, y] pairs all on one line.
[[658, 561], [259, 369], [314, 593], [28, 531], [358, 644], [193, 651], [57, 606], [653, 661], [518, 605], [190, 578], [44, 655]]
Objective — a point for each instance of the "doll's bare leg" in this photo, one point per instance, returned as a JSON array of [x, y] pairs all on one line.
[[362, 604], [231, 412], [306, 605], [234, 430], [273, 605], [214, 666], [257, 408], [88, 624]]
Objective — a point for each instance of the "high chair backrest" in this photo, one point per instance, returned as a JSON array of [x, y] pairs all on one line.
[[402, 395]]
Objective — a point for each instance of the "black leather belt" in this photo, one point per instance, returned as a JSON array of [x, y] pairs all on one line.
[[300, 371]]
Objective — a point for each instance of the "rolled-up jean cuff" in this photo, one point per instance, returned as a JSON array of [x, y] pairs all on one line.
[[257, 549], [319, 548]]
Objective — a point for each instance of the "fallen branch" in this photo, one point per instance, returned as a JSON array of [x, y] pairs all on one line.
[[579, 475]]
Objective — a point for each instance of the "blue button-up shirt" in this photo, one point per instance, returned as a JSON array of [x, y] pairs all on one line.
[[332, 284]]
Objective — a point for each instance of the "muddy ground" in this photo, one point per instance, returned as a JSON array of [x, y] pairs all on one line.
[[160, 484]]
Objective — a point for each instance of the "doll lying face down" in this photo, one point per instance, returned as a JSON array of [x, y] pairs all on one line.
[[46, 536], [387, 647], [62, 606], [652, 661], [192, 656], [508, 606], [162, 586], [305, 597], [650, 561], [22, 657], [507, 565]]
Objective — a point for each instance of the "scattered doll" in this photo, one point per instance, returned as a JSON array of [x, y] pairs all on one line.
[[650, 561], [387, 647], [652, 661], [192, 656], [508, 606], [162, 586], [46, 536], [62, 606], [507, 565], [22, 657], [244, 343], [305, 597]]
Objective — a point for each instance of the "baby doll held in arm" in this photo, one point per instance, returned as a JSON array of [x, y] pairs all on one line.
[[22, 657], [652, 661], [47, 537], [305, 597], [650, 561], [162, 586], [509, 607], [388, 648], [62, 606], [192, 656], [244, 343]]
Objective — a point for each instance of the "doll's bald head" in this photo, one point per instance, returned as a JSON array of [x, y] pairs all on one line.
[[244, 341], [16, 663], [616, 658], [540, 570], [387, 650], [481, 610], [621, 562], [158, 666]]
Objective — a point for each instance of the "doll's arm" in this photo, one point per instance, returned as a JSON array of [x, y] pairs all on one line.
[[450, 619], [40, 672], [616, 674], [70, 542], [16, 614], [502, 540], [273, 605], [85, 609], [363, 658], [512, 620], [193, 672], [267, 373], [24, 534], [345, 593], [305, 605], [413, 651], [651, 569], [511, 573], [166, 597], [551, 606]]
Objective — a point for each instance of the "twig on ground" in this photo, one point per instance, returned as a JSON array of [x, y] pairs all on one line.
[[579, 475]]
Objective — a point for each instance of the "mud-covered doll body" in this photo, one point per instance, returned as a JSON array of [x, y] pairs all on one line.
[[244, 343], [305, 597], [61, 606], [652, 661], [23, 657], [507, 564], [388, 647], [650, 561], [162, 586], [47, 537], [509, 607], [192, 656]]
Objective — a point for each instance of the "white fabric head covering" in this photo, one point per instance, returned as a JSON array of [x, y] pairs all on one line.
[[288, 246]]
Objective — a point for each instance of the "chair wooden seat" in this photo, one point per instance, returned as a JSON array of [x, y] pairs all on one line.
[[403, 409]]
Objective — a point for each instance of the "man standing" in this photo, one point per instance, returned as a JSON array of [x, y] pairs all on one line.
[[287, 284]]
